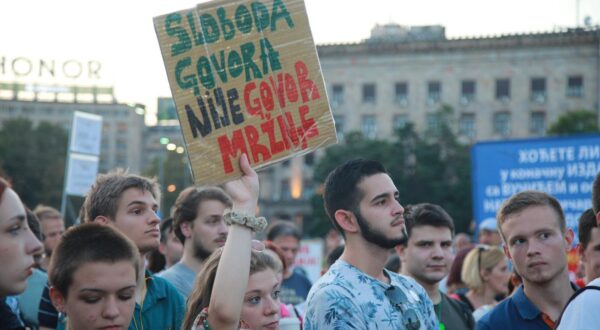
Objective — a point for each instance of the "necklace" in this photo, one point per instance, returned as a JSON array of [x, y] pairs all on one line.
[[144, 291]]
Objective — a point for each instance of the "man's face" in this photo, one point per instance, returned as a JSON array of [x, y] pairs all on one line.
[[489, 237], [380, 215], [209, 230], [591, 255], [536, 244], [428, 254], [136, 218], [52, 228], [290, 246], [172, 248]]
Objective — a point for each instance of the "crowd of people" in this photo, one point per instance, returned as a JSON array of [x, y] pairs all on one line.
[[399, 267]]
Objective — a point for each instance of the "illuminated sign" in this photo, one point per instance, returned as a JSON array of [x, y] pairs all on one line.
[[23, 67]]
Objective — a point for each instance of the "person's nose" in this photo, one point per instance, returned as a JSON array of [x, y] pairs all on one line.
[[153, 220], [111, 308], [437, 252], [271, 306], [398, 208], [223, 228], [32, 244]]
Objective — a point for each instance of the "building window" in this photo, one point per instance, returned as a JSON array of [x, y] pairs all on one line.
[[467, 91], [538, 90], [502, 123], [369, 126], [433, 123], [337, 95], [368, 93], [339, 127], [121, 144], [537, 123], [401, 93], [502, 89], [286, 193], [400, 122], [575, 86], [309, 159], [466, 125], [434, 91]]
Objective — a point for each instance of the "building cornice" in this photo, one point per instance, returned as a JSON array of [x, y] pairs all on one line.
[[571, 37]]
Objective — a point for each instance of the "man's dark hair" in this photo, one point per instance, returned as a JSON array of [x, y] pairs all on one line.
[[426, 214], [334, 255], [596, 194], [166, 227], [587, 222], [283, 228], [188, 201], [341, 187]]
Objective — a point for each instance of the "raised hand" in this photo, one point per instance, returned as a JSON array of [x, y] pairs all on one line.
[[244, 191]]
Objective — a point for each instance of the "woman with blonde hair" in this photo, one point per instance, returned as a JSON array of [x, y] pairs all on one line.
[[485, 272]]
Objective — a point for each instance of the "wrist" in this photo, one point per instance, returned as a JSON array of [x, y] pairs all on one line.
[[237, 217], [246, 208]]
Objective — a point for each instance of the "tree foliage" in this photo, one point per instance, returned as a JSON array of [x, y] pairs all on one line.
[[429, 167], [170, 169], [33, 159], [575, 122]]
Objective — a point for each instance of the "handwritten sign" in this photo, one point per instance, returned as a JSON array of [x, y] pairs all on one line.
[[245, 78]]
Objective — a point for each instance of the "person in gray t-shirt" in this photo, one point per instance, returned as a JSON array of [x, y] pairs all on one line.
[[199, 225]]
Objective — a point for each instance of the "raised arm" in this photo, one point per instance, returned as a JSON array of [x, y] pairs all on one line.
[[234, 267]]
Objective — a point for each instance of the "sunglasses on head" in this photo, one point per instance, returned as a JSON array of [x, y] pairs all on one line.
[[480, 249], [400, 302]]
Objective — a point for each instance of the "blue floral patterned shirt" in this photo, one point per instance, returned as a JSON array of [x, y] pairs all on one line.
[[347, 298]]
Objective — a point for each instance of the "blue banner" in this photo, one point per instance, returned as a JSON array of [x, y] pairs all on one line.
[[564, 167]]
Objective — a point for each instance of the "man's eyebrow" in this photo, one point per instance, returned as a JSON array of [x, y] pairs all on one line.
[[382, 195], [142, 203], [20, 218]]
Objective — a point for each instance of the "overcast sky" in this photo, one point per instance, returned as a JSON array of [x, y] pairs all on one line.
[[120, 33]]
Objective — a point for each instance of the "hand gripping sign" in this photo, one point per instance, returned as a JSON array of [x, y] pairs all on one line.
[[245, 78]]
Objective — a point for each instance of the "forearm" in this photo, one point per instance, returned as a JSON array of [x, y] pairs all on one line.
[[233, 271], [231, 280]]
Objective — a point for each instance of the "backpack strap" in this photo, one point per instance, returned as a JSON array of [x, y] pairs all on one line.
[[577, 293]]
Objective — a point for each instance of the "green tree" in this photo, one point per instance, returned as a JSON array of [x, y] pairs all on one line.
[[575, 122], [33, 158], [172, 171], [429, 167], [356, 145]]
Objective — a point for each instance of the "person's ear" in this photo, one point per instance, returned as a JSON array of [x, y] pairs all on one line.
[[581, 252], [569, 237], [162, 248], [484, 274], [401, 251], [103, 220], [58, 300], [346, 220], [186, 229], [506, 251]]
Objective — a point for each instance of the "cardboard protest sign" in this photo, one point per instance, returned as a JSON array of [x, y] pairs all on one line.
[[245, 78]]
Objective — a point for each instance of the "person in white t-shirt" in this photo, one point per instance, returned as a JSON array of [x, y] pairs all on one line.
[[580, 312]]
